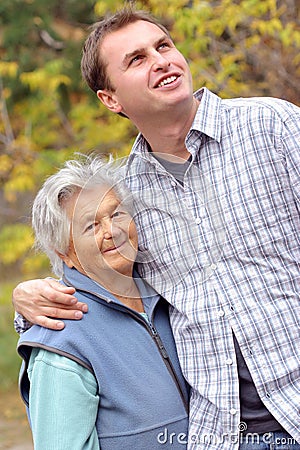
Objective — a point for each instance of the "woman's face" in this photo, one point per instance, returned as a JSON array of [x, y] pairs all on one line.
[[103, 236]]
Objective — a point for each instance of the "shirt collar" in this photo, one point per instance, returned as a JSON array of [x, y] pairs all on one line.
[[206, 121], [81, 282], [207, 118]]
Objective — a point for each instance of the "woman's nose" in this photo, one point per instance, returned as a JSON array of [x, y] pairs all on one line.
[[110, 230]]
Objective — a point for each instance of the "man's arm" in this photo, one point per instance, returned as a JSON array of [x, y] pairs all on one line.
[[41, 301]]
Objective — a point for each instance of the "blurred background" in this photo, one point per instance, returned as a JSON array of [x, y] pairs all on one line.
[[235, 48]]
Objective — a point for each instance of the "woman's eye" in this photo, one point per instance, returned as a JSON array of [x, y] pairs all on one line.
[[90, 227], [119, 214]]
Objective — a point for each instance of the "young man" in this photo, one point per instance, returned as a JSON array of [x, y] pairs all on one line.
[[218, 187]]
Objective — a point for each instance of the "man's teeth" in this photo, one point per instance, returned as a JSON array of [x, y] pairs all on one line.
[[167, 81]]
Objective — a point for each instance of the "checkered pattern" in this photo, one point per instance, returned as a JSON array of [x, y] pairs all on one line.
[[223, 249], [21, 324]]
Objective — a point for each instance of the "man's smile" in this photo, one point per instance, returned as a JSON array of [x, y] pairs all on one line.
[[167, 80]]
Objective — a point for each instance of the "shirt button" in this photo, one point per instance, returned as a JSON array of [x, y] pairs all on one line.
[[213, 266], [229, 361], [233, 411], [221, 313], [173, 183], [198, 220]]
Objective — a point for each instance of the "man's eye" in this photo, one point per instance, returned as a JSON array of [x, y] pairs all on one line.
[[135, 59], [163, 45]]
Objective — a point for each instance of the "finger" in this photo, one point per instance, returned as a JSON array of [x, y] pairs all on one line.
[[45, 302], [41, 292], [81, 307], [60, 287], [50, 323], [58, 313], [49, 294]]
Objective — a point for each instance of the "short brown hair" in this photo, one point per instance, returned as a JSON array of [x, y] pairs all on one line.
[[93, 67]]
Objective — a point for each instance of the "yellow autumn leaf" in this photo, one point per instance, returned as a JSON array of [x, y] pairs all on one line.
[[6, 164], [15, 241], [9, 69]]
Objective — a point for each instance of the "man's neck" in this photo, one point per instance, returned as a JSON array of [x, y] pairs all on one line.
[[166, 133]]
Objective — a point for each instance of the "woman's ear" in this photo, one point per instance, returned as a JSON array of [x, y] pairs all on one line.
[[109, 100], [65, 259]]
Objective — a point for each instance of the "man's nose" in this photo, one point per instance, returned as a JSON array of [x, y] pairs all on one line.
[[160, 62]]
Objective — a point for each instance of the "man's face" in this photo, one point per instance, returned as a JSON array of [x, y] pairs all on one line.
[[148, 73], [103, 236]]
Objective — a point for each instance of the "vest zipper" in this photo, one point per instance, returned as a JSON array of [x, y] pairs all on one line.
[[153, 332], [162, 350]]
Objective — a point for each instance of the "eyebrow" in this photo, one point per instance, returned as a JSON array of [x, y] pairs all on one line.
[[138, 51], [92, 215]]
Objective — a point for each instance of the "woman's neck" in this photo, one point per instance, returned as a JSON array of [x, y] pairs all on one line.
[[124, 288]]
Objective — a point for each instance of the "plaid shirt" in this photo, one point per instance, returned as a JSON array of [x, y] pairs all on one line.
[[223, 249], [21, 324]]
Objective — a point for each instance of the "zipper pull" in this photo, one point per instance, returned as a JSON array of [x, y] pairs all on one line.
[[159, 341]]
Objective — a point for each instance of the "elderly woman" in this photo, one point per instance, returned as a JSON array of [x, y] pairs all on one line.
[[112, 380]]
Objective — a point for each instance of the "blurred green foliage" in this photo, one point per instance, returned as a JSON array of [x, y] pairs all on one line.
[[9, 360]]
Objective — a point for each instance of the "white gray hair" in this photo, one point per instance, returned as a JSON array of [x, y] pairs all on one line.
[[49, 219]]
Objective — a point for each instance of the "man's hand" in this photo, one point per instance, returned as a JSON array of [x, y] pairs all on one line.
[[39, 300]]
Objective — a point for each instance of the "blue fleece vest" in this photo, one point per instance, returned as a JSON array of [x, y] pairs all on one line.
[[143, 396]]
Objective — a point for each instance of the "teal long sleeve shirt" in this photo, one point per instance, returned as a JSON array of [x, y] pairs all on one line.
[[64, 403]]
